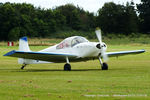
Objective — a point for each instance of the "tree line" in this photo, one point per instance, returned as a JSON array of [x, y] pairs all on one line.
[[22, 19]]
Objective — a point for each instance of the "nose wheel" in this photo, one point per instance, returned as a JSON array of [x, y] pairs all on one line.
[[104, 65]]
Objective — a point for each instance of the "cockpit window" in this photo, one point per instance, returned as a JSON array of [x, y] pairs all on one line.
[[78, 40], [62, 45], [71, 41]]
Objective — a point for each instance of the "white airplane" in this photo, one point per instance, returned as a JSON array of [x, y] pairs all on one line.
[[72, 49]]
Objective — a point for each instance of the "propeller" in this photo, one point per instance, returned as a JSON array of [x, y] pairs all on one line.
[[101, 45]]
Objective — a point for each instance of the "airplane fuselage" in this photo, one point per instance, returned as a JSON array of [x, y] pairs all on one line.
[[84, 51]]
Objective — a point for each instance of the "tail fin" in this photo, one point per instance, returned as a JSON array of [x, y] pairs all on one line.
[[23, 44]]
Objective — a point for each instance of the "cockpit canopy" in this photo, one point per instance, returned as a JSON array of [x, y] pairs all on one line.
[[71, 41]]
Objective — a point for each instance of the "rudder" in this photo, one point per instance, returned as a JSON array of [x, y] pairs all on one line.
[[23, 46]]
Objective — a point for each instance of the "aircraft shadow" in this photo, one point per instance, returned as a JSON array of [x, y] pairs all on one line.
[[52, 70], [48, 70]]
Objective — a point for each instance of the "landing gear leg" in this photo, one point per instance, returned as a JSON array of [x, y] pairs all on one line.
[[67, 66], [24, 65], [104, 65]]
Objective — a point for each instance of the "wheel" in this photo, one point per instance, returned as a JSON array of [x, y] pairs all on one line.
[[105, 66], [67, 67], [23, 67]]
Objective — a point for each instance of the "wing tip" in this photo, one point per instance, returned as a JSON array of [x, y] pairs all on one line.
[[142, 50], [9, 53]]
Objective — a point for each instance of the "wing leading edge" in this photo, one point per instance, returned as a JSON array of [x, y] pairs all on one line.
[[121, 53], [44, 56]]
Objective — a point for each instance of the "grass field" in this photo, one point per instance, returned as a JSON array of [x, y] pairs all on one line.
[[128, 77]]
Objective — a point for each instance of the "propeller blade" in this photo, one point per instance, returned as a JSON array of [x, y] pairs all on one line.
[[98, 34], [100, 45]]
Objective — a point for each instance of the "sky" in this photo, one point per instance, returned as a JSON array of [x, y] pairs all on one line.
[[87, 5]]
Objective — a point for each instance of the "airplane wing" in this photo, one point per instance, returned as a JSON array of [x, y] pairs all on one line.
[[44, 56], [121, 53]]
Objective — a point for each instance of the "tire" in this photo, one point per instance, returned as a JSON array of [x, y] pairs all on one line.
[[67, 67], [22, 67], [105, 66]]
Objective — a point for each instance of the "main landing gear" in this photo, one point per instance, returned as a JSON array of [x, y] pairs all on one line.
[[67, 66], [24, 65], [104, 65]]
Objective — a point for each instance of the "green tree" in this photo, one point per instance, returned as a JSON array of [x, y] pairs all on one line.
[[60, 20], [144, 10], [7, 21], [14, 34], [131, 19], [108, 17], [72, 15], [116, 18]]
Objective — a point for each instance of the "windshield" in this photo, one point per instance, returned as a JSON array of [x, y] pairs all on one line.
[[71, 41], [78, 40]]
